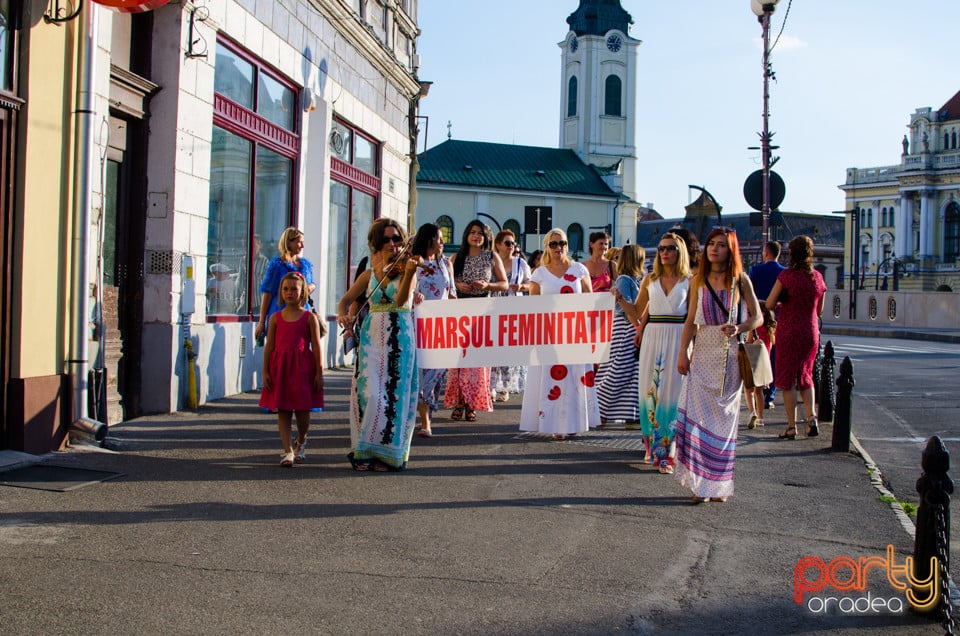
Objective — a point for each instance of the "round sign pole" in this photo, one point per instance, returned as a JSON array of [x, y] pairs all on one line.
[[763, 9]]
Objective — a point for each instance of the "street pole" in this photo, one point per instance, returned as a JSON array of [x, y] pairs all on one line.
[[767, 9]]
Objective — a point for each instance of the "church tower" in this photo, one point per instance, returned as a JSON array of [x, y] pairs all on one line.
[[598, 92]]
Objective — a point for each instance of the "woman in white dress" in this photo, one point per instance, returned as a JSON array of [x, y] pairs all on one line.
[[507, 380], [560, 399], [722, 306], [663, 295]]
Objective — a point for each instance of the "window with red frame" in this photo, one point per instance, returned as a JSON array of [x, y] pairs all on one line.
[[255, 150]]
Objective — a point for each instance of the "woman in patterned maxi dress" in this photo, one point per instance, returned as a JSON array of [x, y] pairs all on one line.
[[664, 296], [383, 412], [709, 406], [560, 399], [477, 272]]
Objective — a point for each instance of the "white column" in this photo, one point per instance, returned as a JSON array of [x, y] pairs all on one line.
[[902, 229], [926, 223]]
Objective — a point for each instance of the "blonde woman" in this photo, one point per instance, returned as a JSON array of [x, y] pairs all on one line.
[[663, 294], [288, 260], [560, 399], [617, 377]]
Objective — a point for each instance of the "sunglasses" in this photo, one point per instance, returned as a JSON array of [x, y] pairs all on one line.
[[555, 244], [726, 230], [667, 248], [396, 238], [509, 243]]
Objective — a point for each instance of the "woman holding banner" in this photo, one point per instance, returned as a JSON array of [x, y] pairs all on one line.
[[722, 306], [434, 282], [383, 412], [507, 380], [477, 271], [560, 400]]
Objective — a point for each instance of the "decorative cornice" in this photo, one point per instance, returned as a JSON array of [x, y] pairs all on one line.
[[342, 17], [10, 101]]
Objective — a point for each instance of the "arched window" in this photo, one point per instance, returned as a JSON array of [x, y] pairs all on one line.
[[863, 217], [883, 217], [953, 139], [946, 140], [870, 217], [575, 236], [612, 96], [445, 223], [951, 233], [514, 226], [572, 97]]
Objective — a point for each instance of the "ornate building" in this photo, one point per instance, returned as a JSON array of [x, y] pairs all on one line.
[[904, 219]]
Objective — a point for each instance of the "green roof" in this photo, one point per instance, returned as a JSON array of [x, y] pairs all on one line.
[[596, 17], [479, 164]]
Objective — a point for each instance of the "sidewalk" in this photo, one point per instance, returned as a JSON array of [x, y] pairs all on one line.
[[487, 532], [886, 331]]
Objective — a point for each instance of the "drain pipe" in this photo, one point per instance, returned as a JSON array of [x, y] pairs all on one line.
[[83, 155]]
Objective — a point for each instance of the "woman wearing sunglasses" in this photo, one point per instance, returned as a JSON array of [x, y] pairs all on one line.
[[560, 399], [663, 296], [386, 383], [507, 380], [477, 271], [722, 306]]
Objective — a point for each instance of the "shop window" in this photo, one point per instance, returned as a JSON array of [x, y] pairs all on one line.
[[354, 204], [254, 154]]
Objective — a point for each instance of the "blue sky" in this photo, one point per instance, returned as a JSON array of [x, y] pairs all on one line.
[[849, 75]]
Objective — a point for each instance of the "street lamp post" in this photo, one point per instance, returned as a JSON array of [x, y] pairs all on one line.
[[763, 11]]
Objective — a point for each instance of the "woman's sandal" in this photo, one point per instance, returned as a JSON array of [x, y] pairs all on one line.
[[787, 434], [286, 460], [812, 429], [299, 455], [471, 415], [457, 412]]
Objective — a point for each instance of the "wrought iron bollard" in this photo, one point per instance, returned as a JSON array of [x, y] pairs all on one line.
[[828, 366], [817, 366], [933, 523], [844, 411]]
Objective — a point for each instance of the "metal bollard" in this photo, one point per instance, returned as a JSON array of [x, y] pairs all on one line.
[[844, 411], [933, 523], [828, 366], [817, 366]]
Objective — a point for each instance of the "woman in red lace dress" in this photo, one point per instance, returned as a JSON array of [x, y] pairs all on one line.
[[799, 290]]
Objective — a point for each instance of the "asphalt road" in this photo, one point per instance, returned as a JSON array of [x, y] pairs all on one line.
[[905, 393]]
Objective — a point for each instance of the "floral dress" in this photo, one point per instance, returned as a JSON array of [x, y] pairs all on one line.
[[471, 387], [435, 283], [659, 380], [560, 399]]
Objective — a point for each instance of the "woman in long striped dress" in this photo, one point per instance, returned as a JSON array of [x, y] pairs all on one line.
[[617, 377], [722, 306], [663, 295]]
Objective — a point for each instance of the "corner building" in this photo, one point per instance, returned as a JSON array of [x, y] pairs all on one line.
[[212, 126]]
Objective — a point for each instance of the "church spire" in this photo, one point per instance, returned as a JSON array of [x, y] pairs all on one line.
[[596, 17]]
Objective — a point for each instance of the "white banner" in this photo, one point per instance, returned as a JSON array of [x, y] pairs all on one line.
[[514, 330]]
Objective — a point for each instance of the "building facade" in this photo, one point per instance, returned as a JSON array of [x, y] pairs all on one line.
[[903, 220], [212, 126]]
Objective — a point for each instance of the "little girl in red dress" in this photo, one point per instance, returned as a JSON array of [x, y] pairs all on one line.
[[292, 368]]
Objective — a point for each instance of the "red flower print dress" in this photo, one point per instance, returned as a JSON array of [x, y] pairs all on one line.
[[560, 399]]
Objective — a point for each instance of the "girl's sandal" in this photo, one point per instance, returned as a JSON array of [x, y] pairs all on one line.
[[286, 460], [471, 415], [457, 413]]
